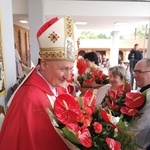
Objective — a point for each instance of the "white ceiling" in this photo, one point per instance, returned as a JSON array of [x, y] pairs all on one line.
[[97, 18]]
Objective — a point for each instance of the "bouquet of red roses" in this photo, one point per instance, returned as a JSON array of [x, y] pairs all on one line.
[[90, 127]]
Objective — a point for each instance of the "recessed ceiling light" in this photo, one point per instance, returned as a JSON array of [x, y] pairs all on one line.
[[23, 21], [120, 23], [80, 23]]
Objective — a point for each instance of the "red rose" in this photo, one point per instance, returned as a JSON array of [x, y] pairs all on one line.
[[98, 127]]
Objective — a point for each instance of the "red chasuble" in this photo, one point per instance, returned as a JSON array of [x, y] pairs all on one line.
[[27, 125]]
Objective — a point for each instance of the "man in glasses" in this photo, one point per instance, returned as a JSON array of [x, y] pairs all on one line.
[[141, 73], [134, 56]]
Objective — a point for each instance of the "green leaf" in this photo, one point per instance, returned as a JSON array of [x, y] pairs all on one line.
[[70, 136], [144, 93]]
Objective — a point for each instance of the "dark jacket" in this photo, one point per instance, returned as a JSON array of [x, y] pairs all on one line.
[[134, 56]]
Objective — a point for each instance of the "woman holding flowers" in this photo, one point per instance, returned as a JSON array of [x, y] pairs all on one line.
[[117, 77], [91, 60], [130, 106], [90, 76]]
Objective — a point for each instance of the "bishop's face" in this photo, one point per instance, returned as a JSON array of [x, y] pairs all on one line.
[[58, 72]]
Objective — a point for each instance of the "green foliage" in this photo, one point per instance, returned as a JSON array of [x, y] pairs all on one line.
[[103, 36], [126, 139], [91, 35], [140, 33], [87, 35], [87, 76], [104, 81], [70, 135]]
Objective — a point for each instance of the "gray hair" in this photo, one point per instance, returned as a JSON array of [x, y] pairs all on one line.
[[119, 71]]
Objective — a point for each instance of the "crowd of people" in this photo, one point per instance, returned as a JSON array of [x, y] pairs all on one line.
[[27, 122]]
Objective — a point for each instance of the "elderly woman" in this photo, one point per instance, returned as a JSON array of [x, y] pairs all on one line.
[[117, 75]]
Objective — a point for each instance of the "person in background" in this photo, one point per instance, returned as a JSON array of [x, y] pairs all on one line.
[[91, 60], [141, 128], [81, 54], [92, 68], [123, 64], [134, 56], [117, 76], [107, 63], [103, 58], [119, 59], [19, 70], [27, 120]]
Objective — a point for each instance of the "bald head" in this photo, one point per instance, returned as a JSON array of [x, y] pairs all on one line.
[[56, 72], [142, 72]]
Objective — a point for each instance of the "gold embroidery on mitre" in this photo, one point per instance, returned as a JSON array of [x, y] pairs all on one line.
[[52, 53], [69, 27], [53, 37]]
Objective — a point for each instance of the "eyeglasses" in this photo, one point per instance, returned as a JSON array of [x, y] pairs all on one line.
[[139, 71]]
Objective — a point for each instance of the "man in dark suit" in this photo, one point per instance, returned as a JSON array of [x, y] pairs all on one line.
[[134, 56]]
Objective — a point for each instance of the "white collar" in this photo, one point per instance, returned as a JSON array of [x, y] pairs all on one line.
[[52, 88]]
